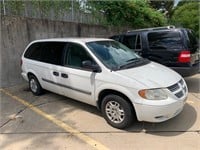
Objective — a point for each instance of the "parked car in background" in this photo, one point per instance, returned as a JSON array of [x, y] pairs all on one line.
[[173, 47], [106, 74]]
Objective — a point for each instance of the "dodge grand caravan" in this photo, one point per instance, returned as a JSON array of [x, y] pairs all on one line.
[[105, 74], [176, 48]]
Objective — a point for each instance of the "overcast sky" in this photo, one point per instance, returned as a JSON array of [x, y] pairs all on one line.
[[176, 2]]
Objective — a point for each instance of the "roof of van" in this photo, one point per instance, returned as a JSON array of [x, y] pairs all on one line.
[[81, 39]]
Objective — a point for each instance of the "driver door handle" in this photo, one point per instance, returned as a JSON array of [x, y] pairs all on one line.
[[55, 73], [64, 75]]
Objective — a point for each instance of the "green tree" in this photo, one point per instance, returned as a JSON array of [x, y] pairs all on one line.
[[15, 7], [133, 13], [187, 15]]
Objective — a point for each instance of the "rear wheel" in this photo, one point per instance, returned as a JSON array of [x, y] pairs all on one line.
[[117, 111], [34, 85]]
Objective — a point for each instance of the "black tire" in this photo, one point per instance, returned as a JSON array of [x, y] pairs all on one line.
[[35, 86], [111, 107]]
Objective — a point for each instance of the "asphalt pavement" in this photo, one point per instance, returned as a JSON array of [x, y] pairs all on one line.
[[51, 121]]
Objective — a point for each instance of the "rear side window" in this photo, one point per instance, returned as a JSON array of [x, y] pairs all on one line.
[[48, 52], [192, 40], [52, 52], [34, 51], [164, 40]]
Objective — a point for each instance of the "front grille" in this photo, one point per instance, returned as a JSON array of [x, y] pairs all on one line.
[[185, 89], [179, 94], [173, 88], [178, 89], [181, 82]]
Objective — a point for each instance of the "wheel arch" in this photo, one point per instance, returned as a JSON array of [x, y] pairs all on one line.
[[32, 72], [29, 74], [106, 92], [35, 75]]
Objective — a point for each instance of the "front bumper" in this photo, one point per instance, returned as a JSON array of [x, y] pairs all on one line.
[[156, 113]]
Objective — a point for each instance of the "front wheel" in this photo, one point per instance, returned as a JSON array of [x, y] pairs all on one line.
[[34, 85], [117, 111]]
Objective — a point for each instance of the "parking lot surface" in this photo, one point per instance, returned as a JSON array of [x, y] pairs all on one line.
[[53, 122]]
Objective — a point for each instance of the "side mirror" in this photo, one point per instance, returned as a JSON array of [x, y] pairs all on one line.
[[88, 65]]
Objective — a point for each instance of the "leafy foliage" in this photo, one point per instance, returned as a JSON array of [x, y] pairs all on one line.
[[44, 6], [187, 15], [15, 6], [134, 13]]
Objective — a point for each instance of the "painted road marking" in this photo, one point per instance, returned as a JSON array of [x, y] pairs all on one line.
[[95, 144]]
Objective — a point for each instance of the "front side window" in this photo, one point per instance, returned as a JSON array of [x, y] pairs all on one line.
[[75, 55], [129, 41], [164, 40], [113, 54], [133, 41], [116, 37]]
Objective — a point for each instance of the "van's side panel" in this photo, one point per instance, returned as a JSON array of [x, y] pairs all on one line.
[[79, 84]]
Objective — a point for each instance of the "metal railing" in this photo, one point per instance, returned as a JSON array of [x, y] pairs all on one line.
[[70, 14]]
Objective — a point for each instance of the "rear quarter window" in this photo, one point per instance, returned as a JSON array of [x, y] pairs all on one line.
[[191, 39], [48, 52], [34, 51], [164, 40]]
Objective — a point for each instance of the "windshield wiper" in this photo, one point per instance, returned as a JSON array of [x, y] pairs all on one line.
[[133, 59], [130, 63]]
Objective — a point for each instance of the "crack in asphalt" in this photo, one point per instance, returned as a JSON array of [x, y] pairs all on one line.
[[23, 109], [12, 119], [16, 114]]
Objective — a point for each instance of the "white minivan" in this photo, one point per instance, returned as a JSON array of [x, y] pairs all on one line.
[[106, 74]]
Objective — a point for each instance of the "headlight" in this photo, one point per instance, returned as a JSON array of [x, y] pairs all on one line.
[[153, 94]]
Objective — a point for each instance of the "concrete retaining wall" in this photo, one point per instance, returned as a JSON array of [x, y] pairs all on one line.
[[17, 32]]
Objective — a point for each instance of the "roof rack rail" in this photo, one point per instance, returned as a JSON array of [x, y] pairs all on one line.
[[155, 28]]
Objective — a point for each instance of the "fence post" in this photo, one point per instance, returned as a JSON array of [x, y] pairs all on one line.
[[4, 8], [72, 3]]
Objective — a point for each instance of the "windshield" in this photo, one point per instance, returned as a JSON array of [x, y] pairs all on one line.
[[113, 54]]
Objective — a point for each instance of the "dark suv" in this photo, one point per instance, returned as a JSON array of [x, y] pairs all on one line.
[[174, 47]]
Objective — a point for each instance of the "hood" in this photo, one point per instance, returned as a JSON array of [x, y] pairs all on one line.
[[152, 75]]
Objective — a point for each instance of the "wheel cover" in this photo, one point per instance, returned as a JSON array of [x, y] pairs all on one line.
[[33, 85], [114, 112]]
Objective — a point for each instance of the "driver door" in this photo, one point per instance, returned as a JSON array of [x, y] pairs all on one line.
[[79, 81]]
